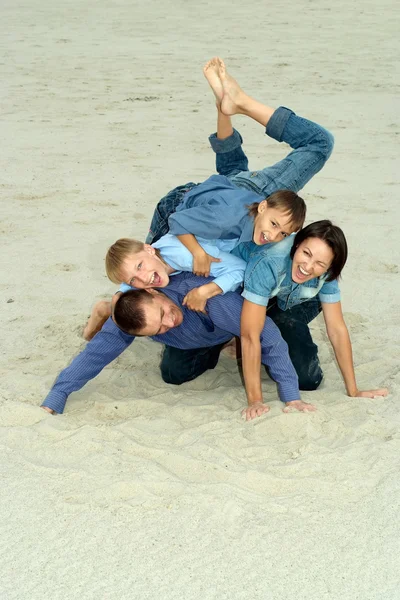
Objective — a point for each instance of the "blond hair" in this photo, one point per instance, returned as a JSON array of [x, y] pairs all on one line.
[[118, 252]]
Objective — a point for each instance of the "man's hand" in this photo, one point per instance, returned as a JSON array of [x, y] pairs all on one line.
[[299, 405], [254, 410], [49, 410], [371, 393], [202, 263], [196, 299]]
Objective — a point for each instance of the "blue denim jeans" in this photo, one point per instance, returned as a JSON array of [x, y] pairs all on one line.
[[311, 147], [178, 366], [293, 325], [165, 207]]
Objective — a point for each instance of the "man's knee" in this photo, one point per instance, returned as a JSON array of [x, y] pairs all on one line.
[[171, 377], [310, 378]]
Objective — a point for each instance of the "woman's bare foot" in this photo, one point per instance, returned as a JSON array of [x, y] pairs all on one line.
[[100, 313], [211, 73]]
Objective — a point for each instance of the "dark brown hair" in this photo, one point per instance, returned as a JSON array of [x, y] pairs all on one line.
[[129, 314], [333, 236], [287, 202]]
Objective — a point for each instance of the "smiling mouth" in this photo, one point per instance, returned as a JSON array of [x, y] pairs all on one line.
[[264, 238], [155, 279], [302, 273]]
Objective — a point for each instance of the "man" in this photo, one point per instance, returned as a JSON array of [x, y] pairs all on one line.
[[161, 316]]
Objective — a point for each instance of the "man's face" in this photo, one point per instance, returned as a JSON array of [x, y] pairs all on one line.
[[271, 225], [161, 315], [144, 270]]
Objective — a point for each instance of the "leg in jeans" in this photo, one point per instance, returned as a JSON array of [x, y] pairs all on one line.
[[165, 207], [293, 325], [312, 144], [178, 366], [227, 142]]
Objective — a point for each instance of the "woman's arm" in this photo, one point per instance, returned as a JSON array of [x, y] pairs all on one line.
[[340, 340], [251, 324]]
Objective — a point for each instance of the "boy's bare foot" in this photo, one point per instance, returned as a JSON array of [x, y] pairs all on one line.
[[100, 313], [211, 73], [229, 349], [234, 99]]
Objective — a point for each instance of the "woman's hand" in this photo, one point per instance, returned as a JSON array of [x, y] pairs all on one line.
[[202, 263], [370, 393]]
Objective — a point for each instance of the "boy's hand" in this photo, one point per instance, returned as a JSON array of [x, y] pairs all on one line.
[[196, 300], [202, 263]]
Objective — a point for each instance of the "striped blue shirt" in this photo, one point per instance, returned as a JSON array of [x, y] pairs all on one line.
[[197, 330]]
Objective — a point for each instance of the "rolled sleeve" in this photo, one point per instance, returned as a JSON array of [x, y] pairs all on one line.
[[226, 145], [260, 279], [277, 123], [330, 292], [255, 298]]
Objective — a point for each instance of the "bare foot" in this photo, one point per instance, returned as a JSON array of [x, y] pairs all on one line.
[[49, 410], [211, 73], [229, 349], [234, 99], [100, 313]]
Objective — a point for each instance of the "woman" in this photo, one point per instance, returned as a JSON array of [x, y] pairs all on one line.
[[295, 279]]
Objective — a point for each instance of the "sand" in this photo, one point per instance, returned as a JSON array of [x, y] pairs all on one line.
[[146, 491]]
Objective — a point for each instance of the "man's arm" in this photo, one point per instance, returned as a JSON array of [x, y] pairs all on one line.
[[105, 347], [225, 313]]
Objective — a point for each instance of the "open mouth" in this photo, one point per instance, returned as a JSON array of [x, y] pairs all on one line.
[[155, 279], [301, 273], [264, 239]]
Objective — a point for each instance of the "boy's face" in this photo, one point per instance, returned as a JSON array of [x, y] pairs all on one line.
[[145, 270], [271, 225]]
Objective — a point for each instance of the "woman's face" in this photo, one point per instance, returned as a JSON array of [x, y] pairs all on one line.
[[312, 259]]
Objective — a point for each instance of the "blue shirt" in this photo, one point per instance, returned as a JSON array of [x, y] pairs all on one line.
[[228, 274], [269, 274], [216, 209], [196, 331]]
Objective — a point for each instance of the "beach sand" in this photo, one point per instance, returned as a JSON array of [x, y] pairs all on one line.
[[143, 490]]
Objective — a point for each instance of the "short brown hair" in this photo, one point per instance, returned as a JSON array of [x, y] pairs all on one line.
[[287, 202], [129, 313], [118, 252]]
